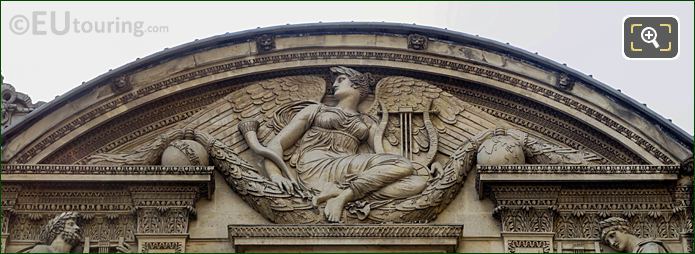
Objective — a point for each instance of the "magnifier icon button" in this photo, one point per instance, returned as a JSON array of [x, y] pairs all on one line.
[[649, 35]]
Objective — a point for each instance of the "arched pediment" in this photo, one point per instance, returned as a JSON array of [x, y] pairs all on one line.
[[133, 104]]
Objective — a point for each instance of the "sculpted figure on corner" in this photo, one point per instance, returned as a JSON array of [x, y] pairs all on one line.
[[62, 235], [617, 234]]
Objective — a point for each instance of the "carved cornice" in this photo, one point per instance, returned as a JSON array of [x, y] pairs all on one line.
[[627, 202], [579, 169], [354, 230], [84, 201], [32, 150], [7, 169], [510, 174], [165, 196]]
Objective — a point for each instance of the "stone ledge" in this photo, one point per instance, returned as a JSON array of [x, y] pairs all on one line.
[[6, 169], [89, 173], [353, 230], [333, 237], [579, 169], [511, 174]]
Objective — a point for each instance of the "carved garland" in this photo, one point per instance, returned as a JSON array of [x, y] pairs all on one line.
[[29, 153]]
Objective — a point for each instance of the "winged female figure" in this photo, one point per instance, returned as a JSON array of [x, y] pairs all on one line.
[[397, 156], [329, 161]]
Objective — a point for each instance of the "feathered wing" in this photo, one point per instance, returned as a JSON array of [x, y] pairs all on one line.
[[258, 101]]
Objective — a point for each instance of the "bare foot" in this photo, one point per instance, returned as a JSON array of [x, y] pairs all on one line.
[[334, 206], [329, 190]]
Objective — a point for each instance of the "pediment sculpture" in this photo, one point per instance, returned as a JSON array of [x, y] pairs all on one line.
[[394, 150]]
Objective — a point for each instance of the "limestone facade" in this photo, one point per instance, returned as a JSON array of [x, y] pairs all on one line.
[[518, 153]]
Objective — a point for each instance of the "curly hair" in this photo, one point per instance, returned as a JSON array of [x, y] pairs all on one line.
[[55, 226], [614, 224], [363, 82]]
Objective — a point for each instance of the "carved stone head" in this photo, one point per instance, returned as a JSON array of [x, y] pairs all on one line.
[[363, 82], [265, 42], [565, 82], [65, 225], [614, 233], [121, 84], [417, 42]]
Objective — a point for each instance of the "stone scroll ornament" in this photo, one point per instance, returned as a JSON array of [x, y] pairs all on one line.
[[392, 151]]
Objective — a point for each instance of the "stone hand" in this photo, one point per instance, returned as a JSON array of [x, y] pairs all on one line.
[[284, 183]]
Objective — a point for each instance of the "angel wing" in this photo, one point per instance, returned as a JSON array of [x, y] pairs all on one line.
[[259, 101]]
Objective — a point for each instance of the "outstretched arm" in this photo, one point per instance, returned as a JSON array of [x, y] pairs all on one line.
[[288, 136]]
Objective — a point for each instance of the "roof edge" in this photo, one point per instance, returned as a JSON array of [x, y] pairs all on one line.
[[351, 27]]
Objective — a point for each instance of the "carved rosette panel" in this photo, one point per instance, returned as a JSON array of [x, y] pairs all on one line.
[[537, 246]]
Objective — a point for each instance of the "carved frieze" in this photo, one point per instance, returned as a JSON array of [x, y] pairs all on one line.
[[105, 170], [579, 169], [107, 213], [536, 246], [340, 231], [170, 247]]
